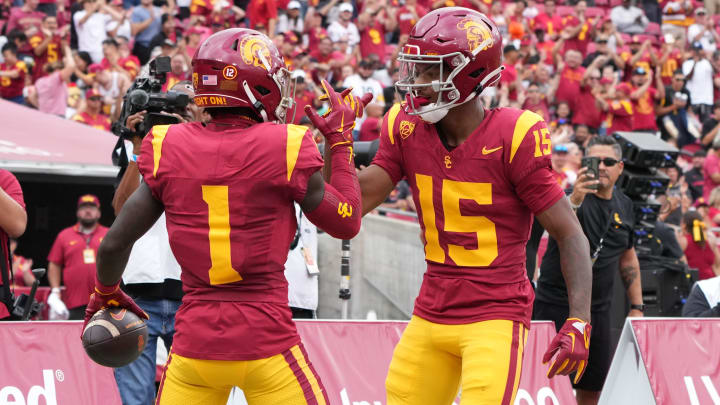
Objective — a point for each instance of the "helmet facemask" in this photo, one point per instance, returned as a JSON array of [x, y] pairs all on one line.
[[286, 85], [412, 64]]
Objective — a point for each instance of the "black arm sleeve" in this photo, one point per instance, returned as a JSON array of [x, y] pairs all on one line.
[[697, 306]]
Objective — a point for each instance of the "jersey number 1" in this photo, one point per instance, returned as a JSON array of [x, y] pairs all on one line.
[[221, 270], [452, 193]]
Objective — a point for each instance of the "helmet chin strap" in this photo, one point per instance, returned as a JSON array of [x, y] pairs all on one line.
[[257, 105]]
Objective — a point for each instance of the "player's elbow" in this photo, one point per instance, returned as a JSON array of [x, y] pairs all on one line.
[[348, 230]]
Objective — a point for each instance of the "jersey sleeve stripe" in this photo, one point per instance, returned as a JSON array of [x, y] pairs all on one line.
[[392, 114], [523, 124], [158, 136], [295, 134]]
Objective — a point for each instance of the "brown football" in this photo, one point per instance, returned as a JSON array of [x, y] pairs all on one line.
[[114, 337]]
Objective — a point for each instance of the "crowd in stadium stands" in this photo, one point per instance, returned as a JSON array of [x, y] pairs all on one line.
[[589, 68]]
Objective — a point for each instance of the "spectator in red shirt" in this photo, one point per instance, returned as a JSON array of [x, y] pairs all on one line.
[[47, 47], [262, 15], [72, 260], [644, 98], [587, 111], [700, 246], [13, 220], [408, 14], [370, 129], [548, 21], [92, 115], [25, 17], [619, 109], [509, 76], [569, 77], [12, 75], [373, 23], [536, 101], [178, 72], [578, 29], [640, 54]]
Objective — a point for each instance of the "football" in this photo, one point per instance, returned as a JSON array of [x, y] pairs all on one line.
[[114, 337]]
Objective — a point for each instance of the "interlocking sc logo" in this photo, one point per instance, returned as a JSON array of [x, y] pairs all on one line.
[[344, 210]]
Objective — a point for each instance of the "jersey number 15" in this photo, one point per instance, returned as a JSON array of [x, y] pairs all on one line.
[[484, 228]]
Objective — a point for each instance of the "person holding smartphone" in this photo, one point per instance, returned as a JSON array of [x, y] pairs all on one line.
[[606, 217]]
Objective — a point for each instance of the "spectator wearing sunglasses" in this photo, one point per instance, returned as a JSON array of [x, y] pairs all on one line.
[[606, 216]]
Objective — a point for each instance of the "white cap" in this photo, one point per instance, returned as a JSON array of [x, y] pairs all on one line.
[[297, 73], [294, 4], [346, 7]]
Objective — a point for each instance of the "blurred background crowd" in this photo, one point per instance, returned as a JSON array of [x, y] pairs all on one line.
[[588, 67]]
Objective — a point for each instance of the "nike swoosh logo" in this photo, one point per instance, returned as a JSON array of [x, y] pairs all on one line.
[[486, 151]]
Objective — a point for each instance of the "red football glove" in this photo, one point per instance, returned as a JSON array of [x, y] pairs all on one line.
[[572, 345], [337, 123], [110, 296]]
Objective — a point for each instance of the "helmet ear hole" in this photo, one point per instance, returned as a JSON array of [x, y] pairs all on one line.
[[234, 45], [262, 90], [476, 73]]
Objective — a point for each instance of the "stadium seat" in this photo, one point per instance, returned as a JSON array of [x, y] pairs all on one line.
[[564, 10], [602, 3], [594, 12], [653, 29]]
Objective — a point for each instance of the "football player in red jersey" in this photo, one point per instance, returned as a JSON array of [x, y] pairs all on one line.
[[477, 176], [227, 189]]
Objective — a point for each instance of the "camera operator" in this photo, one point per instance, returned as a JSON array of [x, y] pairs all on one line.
[[152, 275], [606, 216], [13, 220]]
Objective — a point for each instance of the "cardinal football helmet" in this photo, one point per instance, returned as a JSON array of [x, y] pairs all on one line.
[[463, 46], [242, 68]]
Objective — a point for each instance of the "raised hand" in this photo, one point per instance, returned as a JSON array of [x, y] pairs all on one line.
[[338, 122]]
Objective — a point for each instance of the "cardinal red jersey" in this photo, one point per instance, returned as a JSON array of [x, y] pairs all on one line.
[[551, 25], [75, 253], [644, 110], [475, 205], [172, 79], [619, 116], [644, 62], [372, 40], [580, 41], [52, 53], [228, 193], [672, 63], [10, 185], [9, 87], [569, 87], [97, 121], [406, 19]]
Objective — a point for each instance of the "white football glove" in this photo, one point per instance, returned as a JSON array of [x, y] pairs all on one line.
[[58, 310]]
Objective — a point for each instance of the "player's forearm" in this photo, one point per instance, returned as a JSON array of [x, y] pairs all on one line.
[[339, 213], [576, 269], [111, 262]]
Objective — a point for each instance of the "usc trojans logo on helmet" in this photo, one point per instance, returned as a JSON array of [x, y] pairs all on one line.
[[477, 33], [251, 48]]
